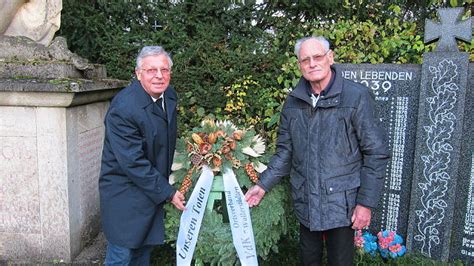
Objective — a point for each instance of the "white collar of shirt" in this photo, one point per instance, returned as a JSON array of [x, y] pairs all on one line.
[[314, 99]]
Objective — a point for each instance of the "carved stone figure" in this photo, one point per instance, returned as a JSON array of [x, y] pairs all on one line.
[[35, 19]]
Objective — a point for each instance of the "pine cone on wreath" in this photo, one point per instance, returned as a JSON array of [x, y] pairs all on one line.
[[187, 182], [251, 172], [196, 159]]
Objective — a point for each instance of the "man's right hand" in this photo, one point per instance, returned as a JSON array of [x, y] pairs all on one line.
[[254, 195], [178, 200]]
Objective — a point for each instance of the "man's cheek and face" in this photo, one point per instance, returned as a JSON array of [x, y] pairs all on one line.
[[316, 74], [154, 74], [318, 71], [315, 61]]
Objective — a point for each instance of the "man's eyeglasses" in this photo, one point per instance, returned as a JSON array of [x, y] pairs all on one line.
[[316, 58], [154, 71]]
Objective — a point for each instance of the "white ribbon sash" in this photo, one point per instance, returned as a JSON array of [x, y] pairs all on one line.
[[239, 218], [191, 218]]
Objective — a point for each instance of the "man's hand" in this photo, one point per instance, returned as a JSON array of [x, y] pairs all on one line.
[[178, 200], [361, 217], [254, 195]]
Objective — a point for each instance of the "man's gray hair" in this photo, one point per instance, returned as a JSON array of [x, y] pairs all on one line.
[[150, 51], [320, 39]]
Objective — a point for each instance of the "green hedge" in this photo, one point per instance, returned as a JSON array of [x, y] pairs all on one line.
[[235, 61]]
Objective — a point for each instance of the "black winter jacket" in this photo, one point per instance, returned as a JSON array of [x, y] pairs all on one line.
[[335, 153]]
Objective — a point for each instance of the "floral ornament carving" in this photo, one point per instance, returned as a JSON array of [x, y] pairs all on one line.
[[437, 157]]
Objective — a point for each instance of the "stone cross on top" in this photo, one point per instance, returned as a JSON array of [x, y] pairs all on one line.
[[448, 30]]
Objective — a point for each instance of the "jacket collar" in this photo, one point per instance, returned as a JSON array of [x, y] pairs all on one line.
[[332, 98], [144, 99]]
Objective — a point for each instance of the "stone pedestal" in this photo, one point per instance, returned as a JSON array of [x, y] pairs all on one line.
[[51, 134]]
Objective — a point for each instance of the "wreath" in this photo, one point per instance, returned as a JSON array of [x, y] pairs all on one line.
[[221, 145]]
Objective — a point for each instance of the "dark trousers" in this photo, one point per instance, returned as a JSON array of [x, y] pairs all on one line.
[[339, 246]]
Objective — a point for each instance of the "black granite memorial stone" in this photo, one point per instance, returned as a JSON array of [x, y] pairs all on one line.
[[462, 247], [440, 141], [440, 123], [396, 91]]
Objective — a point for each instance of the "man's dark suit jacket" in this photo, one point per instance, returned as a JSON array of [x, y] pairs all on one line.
[[138, 152]]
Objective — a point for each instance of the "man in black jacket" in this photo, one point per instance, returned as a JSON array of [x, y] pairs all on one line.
[[331, 145]]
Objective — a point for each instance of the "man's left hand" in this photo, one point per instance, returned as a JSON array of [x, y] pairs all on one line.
[[361, 217], [178, 200]]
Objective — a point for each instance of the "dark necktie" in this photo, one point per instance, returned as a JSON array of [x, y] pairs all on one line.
[[160, 104]]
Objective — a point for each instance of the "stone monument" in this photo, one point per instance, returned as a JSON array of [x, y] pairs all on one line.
[[443, 157], [52, 105], [428, 195], [395, 88], [462, 246]]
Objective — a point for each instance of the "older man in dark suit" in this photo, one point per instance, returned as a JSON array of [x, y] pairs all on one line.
[[140, 139]]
